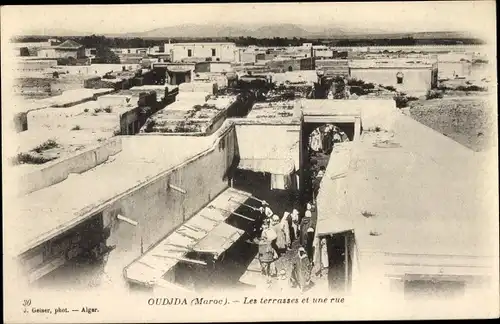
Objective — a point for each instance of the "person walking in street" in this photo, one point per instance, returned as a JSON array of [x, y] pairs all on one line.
[[327, 139], [260, 217], [309, 243], [267, 254], [343, 136], [295, 225], [280, 244], [304, 225], [320, 261], [309, 206], [267, 209], [336, 138], [307, 233], [301, 270], [286, 222]]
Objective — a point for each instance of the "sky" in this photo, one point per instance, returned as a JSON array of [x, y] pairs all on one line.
[[473, 16]]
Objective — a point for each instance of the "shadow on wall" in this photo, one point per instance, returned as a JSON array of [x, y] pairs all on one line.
[[159, 210]]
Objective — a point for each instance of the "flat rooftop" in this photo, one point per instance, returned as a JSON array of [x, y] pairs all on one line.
[[280, 109], [339, 107], [73, 128], [187, 116], [409, 190], [60, 206], [295, 77], [67, 98], [197, 43], [391, 63], [154, 87]]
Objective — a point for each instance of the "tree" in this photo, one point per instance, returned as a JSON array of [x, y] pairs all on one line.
[[105, 55]]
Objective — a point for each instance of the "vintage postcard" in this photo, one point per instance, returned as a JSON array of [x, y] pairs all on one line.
[[250, 162]]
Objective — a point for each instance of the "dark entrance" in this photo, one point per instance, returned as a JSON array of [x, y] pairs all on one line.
[[84, 250], [159, 75], [180, 78], [340, 247]]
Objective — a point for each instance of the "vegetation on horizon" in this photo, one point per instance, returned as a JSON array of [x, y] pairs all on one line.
[[96, 41]]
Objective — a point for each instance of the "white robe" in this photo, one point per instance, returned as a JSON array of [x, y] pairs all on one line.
[[286, 228]]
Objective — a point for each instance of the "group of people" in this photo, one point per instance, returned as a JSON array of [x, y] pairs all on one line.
[[322, 139], [275, 236]]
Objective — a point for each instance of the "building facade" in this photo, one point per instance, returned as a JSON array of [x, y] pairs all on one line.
[[216, 51], [68, 49], [215, 67], [411, 78]]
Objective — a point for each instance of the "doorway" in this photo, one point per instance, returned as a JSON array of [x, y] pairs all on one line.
[[316, 159], [180, 78], [159, 75], [340, 251]]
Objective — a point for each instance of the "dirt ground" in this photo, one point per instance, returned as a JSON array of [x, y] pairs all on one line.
[[469, 120]]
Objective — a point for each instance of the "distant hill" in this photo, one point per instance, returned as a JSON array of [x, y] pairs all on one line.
[[193, 31], [188, 31], [262, 31], [54, 32], [281, 30]]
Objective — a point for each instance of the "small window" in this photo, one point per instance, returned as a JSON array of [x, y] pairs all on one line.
[[399, 78], [129, 51], [190, 53], [213, 52]]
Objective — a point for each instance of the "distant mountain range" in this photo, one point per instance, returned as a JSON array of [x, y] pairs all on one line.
[[262, 31], [56, 32]]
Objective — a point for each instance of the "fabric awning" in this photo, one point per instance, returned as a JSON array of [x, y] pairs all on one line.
[[274, 166], [219, 239], [269, 149], [206, 231]]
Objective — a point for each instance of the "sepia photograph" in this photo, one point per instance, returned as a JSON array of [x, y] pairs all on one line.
[[250, 162]]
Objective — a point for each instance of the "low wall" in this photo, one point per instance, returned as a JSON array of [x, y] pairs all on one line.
[[100, 83], [129, 121], [217, 121], [132, 120], [33, 86], [159, 209], [58, 171]]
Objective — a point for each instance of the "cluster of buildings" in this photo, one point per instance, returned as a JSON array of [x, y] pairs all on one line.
[[143, 135], [410, 70]]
